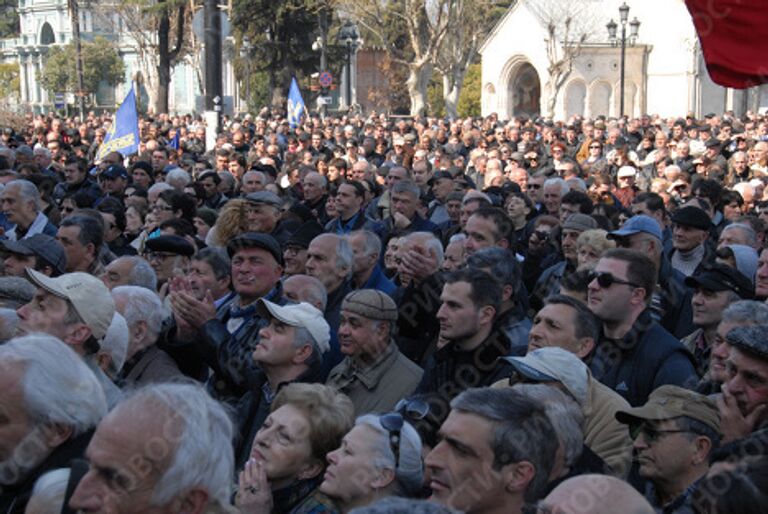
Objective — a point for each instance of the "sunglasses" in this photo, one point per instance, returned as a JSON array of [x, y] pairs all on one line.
[[413, 409], [594, 147], [393, 423], [541, 235], [606, 280]]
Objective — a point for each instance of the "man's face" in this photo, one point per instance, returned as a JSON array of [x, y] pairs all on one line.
[[321, 262], [394, 176], [708, 306], [254, 272], [124, 467], [747, 380], [663, 456], [568, 243], [458, 316], [14, 207], [113, 186], [551, 198], [45, 313], [359, 336], [461, 465], [454, 210], [421, 176], [610, 304], [404, 203], [159, 161], [209, 184], [295, 258], [363, 261], [251, 183], [555, 325], [166, 264], [687, 238], [313, 188], [441, 188], [275, 346], [111, 230], [721, 350], [481, 233], [15, 263], [734, 236], [347, 201], [73, 174], [202, 279], [117, 273], [262, 217], [222, 162], [78, 255]]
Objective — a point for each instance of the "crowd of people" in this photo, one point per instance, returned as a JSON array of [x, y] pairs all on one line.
[[381, 315]]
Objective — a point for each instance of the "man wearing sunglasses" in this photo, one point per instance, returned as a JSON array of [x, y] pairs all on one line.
[[634, 354], [675, 432]]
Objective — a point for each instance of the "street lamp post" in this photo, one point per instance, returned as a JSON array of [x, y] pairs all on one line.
[[349, 37], [245, 53], [634, 27]]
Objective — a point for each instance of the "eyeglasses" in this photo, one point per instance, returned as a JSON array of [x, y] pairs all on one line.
[[393, 423], [606, 280], [151, 256], [650, 434], [534, 186], [593, 147]]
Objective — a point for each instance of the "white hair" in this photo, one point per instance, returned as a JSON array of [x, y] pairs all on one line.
[[203, 457], [141, 304], [410, 471], [159, 187], [115, 343], [564, 187], [178, 178], [27, 191], [371, 242], [457, 238], [49, 492], [430, 241], [58, 386]]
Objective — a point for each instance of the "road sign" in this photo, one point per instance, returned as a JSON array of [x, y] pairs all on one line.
[[58, 100], [326, 79], [324, 100]]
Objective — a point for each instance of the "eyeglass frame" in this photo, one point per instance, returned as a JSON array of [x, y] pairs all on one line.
[[597, 275], [650, 434], [393, 423]]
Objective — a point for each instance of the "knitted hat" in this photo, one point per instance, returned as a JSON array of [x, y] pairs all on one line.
[[370, 304]]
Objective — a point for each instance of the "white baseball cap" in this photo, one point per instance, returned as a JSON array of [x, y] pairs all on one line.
[[626, 171], [87, 294], [554, 364], [301, 315]]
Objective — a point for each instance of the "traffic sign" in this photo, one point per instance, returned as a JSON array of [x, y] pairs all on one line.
[[324, 100], [326, 79], [58, 100]]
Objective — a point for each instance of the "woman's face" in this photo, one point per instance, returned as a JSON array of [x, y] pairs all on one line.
[[351, 473], [391, 254], [133, 223], [732, 210], [282, 444], [162, 211], [201, 227], [587, 257]]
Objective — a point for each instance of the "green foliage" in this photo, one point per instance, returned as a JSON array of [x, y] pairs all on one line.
[[469, 99], [9, 80], [101, 62], [9, 19]]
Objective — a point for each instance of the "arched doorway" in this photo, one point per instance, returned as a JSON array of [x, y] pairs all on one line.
[[46, 35], [524, 91], [575, 98]]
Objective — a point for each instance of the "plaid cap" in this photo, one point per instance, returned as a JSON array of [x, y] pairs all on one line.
[[370, 304]]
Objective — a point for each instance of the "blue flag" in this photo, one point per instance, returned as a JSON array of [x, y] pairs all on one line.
[[123, 135], [296, 105]]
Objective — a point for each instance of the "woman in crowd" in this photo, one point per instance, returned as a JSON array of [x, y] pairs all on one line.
[[590, 245], [288, 456], [232, 221], [379, 457]]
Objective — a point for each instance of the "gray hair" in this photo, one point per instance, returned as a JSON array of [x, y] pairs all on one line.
[[178, 178], [313, 291], [500, 262], [522, 431], [27, 191], [115, 343], [49, 492], [746, 311], [457, 238], [159, 187], [203, 456], [141, 273], [748, 231], [564, 187], [344, 256], [564, 414], [15, 292], [314, 174], [9, 321], [141, 304], [217, 258], [429, 240], [409, 471], [407, 186], [57, 385], [372, 242], [262, 178]]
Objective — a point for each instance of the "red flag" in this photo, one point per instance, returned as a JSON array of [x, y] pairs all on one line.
[[734, 39]]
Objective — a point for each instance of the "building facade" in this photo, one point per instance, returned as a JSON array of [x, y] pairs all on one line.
[[664, 69]]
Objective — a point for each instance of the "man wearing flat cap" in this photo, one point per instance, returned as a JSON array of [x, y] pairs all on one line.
[[744, 402], [263, 215], [690, 231], [169, 256], [674, 432], [295, 247], [715, 287], [374, 373], [224, 338], [40, 252]]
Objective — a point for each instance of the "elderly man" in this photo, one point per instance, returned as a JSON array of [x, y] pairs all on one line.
[[474, 471], [634, 355], [144, 313], [169, 256], [21, 203], [188, 426], [330, 260], [225, 337], [130, 271], [675, 433], [263, 215], [553, 191], [290, 349], [366, 270], [82, 237], [315, 188], [689, 240], [39, 252], [51, 404], [252, 182], [404, 217], [374, 374]]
